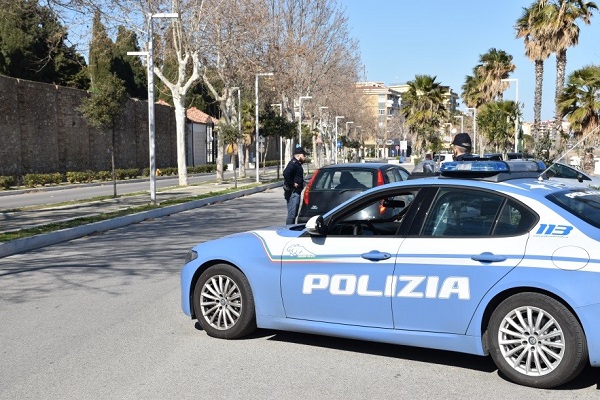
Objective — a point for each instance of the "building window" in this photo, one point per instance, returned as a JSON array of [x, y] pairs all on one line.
[[381, 111]]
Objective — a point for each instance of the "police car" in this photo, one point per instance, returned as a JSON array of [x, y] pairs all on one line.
[[487, 258]]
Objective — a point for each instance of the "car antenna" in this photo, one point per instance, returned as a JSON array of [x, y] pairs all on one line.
[[540, 178]]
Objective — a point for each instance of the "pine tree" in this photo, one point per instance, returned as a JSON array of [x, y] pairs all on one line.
[[129, 68], [101, 53], [32, 46]]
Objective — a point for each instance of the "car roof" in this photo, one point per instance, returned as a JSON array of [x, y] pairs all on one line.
[[362, 166], [531, 187]]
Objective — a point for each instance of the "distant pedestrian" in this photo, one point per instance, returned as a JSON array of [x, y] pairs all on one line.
[[461, 146], [293, 183]]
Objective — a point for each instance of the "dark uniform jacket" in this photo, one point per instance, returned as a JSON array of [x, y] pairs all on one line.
[[294, 173]]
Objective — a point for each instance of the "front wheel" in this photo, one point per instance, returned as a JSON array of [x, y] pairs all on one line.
[[536, 341], [224, 303]]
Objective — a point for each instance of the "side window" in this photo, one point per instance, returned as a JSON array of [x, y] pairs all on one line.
[[392, 175], [461, 212], [514, 220], [323, 180], [380, 216], [396, 175]]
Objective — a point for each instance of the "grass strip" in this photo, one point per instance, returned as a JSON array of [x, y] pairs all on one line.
[[8, 236]]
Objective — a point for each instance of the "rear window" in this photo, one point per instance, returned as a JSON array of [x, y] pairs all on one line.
[[583, 203], [343, 179]]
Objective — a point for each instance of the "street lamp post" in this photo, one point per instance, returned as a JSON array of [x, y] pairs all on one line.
[[347, 135], [475, 146], [239, 130], [516, 81], [336, 137], [280, 141], [256, 119], [462, 125], [320, 159], [300, 118], [150, 64]]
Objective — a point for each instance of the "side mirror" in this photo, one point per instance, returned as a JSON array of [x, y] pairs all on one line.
[[580, 178], [316, 226]]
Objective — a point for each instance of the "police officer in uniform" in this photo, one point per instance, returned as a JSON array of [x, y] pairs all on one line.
[[293, 183], [461, 146]]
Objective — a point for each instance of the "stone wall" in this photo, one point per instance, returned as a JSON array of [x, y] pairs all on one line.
[[41, 131]]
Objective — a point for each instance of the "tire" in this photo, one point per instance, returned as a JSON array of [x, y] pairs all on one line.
[[223, 303], [536, 341]]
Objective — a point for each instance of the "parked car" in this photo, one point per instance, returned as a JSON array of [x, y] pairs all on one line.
[[564, 173], [443, 157], [509, 156], [332, 185], [425, 168], [486, 259]]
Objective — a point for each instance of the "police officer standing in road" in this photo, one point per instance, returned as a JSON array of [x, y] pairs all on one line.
[[461, 146], [293, 183]]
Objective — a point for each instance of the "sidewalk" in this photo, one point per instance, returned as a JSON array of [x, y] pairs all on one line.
[[37, 217]]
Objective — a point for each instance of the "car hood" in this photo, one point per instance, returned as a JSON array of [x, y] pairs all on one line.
[[241, 247]]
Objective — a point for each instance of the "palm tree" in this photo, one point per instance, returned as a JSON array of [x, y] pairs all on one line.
[[471, 90], [579, 102], [530, 27], [496, 122], [424, 109], [494, 66], [563, 32]]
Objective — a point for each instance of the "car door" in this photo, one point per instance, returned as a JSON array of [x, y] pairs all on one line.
[[344, 277], [469, 240]]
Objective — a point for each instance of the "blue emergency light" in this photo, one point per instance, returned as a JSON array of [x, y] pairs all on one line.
[[482, 168]]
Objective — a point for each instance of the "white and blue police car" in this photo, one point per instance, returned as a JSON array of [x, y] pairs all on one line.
[[487, 258]]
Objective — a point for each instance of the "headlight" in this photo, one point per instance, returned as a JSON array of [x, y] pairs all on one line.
[[191, 256]]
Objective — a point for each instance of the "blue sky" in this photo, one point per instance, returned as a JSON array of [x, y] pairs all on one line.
[[400, 39]]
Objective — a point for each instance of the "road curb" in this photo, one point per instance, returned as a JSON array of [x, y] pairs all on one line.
[[46, 239]]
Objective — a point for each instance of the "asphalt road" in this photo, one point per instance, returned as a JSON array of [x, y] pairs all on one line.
[[59, 194], [99, 318]]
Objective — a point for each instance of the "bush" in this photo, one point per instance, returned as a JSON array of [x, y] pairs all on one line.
[[7, 181], [104, 175], [81, 176], [32, 180]]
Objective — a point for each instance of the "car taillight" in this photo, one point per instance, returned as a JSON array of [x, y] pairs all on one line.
[[380, 182], [307, 189]]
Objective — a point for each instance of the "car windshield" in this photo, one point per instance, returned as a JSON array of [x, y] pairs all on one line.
[[583, 203], [563, 171]]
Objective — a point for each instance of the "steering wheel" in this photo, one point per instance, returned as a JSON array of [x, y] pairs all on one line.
[[358, 228]]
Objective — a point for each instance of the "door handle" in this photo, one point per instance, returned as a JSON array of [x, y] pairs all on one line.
[[375, 255], [488, 257]]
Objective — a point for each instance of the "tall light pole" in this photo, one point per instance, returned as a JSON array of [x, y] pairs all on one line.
[[300, 118], [516, 81], [347, 135], [280, 140], [320, 152], [335, 142], [257, 158], [475, 147], [239, 130], [347, 123], [150, 64], [462, 125]]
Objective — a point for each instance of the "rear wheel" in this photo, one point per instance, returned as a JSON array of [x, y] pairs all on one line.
[[536, 341], [223, 302]]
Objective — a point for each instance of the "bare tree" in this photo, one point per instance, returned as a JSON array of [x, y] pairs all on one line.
[[311, 54]]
